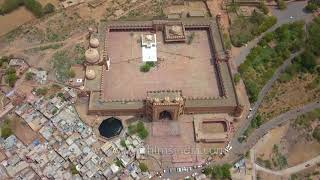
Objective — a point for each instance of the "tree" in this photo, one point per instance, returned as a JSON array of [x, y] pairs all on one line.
[[9, 5], [140, 126], [34, 6], [143, 167], [72, 74], [74, 169], [11, 79], [29, 76], [220, 172], [49, 8], [312, 5], [263, 7], [236, 78], [41, 91], [132, 129], [143, 134], [145, 68], [281, 4], [316, 133], [123, 143]]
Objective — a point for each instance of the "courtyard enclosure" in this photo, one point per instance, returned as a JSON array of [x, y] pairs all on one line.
[[199, 70]]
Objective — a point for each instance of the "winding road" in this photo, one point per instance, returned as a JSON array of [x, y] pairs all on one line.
[[294, 10]]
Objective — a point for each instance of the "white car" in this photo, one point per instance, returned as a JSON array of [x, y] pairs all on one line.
[[194, 174], [228, 147]]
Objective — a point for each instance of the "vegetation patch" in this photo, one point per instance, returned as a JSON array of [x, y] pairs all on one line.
[[11, 76], [219, 171], [147, 66], [312, 5], [254, 124], [139, 129], [6, 129], [272, 50], [244, 29], [278, 159], [32, 5], [143, 167], [62, 64]]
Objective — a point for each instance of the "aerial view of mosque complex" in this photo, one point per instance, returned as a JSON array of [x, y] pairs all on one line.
[[186, 79], [159, 89]]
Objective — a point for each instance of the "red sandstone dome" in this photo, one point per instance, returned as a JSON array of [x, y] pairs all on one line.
[[92, 55], [90, 74], [94, 42]]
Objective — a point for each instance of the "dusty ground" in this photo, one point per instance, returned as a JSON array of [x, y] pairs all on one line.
[[265, 145], [295, 144], [174, 147], [179, 67], [23, 131], [312, 173], [19, 17], [2, 156], [213, 127], [285, 96], [266, 176]]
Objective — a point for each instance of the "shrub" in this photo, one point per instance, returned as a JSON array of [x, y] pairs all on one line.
[[11, 78], [72, 74], [316, 133], [123, 143], [10, 5], [35, 7], [281, 4], [74, 169], [236, 78], [190, 38], [312, 5], [267, 23], [143, 167], [263, 7], [219, 171], [29, 76], [41, 91], [48, 8], [147, 66]]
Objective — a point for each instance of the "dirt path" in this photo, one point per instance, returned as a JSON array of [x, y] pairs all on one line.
[[73, 39], [291, 170]]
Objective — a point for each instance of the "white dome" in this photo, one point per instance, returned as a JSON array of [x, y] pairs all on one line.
[[92, 55], [94, 42], [90, 74]]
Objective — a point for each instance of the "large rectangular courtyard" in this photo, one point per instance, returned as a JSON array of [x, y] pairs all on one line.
[[180, 66]]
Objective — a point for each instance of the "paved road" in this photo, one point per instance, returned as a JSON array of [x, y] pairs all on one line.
[[240, 149], [291, 170], [294, 10], [236, 145]]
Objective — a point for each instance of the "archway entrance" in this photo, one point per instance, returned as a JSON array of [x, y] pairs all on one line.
[[166, 115]]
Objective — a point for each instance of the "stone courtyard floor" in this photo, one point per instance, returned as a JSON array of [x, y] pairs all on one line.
[[180, 66]]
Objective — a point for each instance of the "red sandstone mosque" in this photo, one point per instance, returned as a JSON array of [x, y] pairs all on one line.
[[191, 74]]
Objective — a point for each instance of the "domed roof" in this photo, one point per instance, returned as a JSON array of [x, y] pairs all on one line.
[[90, 74], [92, 55], [94, 42]]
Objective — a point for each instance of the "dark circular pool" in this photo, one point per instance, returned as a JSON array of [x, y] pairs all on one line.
[[110, 127]]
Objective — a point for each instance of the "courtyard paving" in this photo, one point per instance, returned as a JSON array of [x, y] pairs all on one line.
[[180, 66]]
